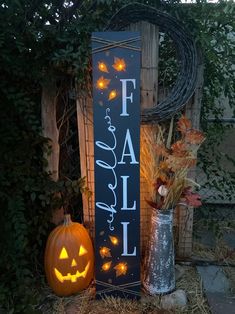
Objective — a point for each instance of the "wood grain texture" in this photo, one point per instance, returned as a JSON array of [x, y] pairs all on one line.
[[192, 111], [51, 132], [149, 96], [49, 127], [149, 91]]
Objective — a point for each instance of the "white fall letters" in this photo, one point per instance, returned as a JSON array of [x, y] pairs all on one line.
[[124, 95], [128, 155]]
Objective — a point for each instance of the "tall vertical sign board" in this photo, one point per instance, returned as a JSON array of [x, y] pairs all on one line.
[[116, 101]]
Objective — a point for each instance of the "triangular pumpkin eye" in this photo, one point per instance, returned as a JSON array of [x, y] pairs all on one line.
[[82, 251], [63, 253]]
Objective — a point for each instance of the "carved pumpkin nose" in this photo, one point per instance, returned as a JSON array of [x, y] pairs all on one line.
[[74, 263]]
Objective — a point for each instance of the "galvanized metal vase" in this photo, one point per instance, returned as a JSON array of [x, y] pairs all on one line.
[[160, 262]]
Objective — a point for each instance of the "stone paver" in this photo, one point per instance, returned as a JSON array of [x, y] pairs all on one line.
[[229, 239], [217, 289], [221, 303], [206, 237], [214, 279]]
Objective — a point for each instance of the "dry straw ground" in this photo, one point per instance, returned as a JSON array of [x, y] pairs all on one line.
[[84, 303], [221, 255]]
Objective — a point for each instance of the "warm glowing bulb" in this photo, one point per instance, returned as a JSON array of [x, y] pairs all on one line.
[[114, 240], [106, 266], [103, 67], [102, 83], [119, 64], [112, 94], [121, 269], [105, 252]]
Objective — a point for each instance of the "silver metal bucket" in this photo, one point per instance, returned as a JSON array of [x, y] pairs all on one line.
[[160, 262]]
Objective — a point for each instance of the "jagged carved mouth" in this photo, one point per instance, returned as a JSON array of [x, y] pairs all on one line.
[[72, 278]]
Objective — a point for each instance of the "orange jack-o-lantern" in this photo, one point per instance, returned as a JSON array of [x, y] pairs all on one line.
[[69, 258]]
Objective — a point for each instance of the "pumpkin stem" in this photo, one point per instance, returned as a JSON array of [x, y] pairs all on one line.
[[67, 219]]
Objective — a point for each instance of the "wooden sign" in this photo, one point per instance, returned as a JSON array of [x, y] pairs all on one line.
[[116, 101]]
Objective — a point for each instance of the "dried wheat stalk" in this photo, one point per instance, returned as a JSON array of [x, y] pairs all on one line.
[[149, 160]]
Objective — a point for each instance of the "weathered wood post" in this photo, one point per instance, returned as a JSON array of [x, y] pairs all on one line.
[[185, 215], [149, 95], [50, 131]]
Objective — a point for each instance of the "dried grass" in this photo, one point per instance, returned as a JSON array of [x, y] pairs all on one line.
[[192, 284], [85, 303], [149, 160], [176, 189], [222, 253], [167, 164]]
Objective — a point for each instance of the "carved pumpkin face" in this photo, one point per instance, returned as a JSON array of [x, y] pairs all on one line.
[[69, 258]]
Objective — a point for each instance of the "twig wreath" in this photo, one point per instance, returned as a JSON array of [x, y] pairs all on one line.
[[186, 54]]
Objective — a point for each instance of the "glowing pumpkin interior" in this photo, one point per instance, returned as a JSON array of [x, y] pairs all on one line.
[[72, 276], [69, 258]]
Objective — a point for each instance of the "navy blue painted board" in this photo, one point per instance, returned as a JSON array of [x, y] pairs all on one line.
[[116, 107]]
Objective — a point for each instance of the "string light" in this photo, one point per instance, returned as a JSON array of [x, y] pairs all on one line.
[[121, 269], [114, 240], [106, 266], [102, 67], [119, 64], [105, 252], [112, 94], [102, 83]]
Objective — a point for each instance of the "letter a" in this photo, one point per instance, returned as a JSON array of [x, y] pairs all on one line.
[[131, 153]]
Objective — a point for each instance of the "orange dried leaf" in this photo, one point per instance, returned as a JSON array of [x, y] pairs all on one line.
[[119, 64], [163, 165], [161, 150], [179, 149], [176, 163], [194, 137], [163, 177], [184, 124], [191, 198]]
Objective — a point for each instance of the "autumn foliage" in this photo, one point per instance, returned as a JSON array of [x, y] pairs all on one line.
[[170, 164]]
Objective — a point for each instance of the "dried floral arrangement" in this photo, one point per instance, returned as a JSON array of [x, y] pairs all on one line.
[[165, 166]]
